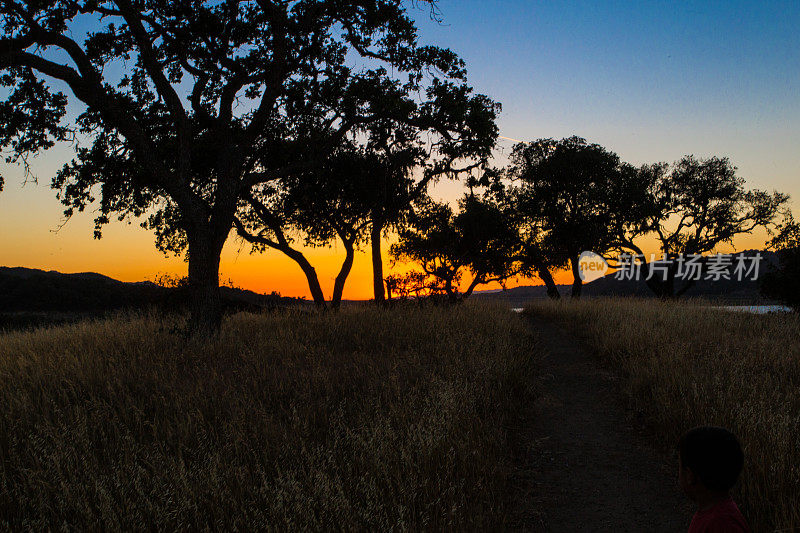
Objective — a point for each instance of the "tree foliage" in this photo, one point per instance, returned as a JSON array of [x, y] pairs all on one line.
[[30, 117], [783, 281], [330, 203], [188, 106], [414, 284], [697, 205], [572, 196], [373, 177], [477, 240], [453, 136]]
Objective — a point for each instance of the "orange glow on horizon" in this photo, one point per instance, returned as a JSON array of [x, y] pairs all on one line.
[[121, 256], [30, 237]]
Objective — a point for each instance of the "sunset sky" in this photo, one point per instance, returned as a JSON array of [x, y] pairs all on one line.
[[648, 80]]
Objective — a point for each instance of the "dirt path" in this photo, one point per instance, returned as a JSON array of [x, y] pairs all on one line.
[[590, 470]]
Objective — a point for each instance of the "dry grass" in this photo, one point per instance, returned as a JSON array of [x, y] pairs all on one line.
[[364, 419], [686, 365]]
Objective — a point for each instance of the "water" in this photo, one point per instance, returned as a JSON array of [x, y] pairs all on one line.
[[757, 309]]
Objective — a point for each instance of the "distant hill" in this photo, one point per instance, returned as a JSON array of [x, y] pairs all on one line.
[[30, 296], [727, 291], [30, 290]]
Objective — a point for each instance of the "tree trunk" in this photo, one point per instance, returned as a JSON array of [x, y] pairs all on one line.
[[205, 303], [338, 285], [549, 282], [377, 259], [663, 289], [452, 296], [282, 245], [669, 289], [475, 282], [577, 282], [656, 285], [311, 275], [687, 285]]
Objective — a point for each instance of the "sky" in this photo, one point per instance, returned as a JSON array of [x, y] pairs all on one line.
[[652, 81]]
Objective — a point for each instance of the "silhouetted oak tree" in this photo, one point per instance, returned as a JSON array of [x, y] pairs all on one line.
[[449, 134], [375, 176], [416, 284], [536, 253], [783, 281], [696, 205], [572, 196], [477, 239], [330, 203], [190, 105]]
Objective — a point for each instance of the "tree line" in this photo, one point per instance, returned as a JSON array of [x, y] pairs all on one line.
[[559, 198], [296, 123]]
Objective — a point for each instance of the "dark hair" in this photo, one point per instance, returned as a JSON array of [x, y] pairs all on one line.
[[714, 455]]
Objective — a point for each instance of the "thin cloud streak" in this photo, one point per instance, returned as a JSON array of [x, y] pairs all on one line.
[[512, 140]]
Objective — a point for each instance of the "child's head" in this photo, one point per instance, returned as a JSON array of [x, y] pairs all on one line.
[[710, 461]]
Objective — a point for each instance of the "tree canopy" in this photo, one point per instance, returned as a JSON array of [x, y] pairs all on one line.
[[330, 203], [372, 178], [572, 196], [476, 240], [695, 206], [188, 106], [783, 281], [312, 122]]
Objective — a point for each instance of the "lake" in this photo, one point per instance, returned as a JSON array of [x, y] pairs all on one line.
[[755, 309]]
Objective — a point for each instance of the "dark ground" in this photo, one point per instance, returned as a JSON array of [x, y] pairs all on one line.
[[589, 468]]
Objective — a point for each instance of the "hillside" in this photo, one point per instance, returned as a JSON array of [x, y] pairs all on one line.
[[38, 291], [33, 297]]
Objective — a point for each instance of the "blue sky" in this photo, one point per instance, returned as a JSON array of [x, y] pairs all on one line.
[[651, 80]]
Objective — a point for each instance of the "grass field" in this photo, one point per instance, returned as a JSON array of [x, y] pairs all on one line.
[[685, 365], [365, 419]]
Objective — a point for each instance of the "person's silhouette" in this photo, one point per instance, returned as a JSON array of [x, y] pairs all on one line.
[[710, 460]]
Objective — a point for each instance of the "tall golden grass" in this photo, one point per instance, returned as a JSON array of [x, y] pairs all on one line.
[[686, 365], [364, 419]]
